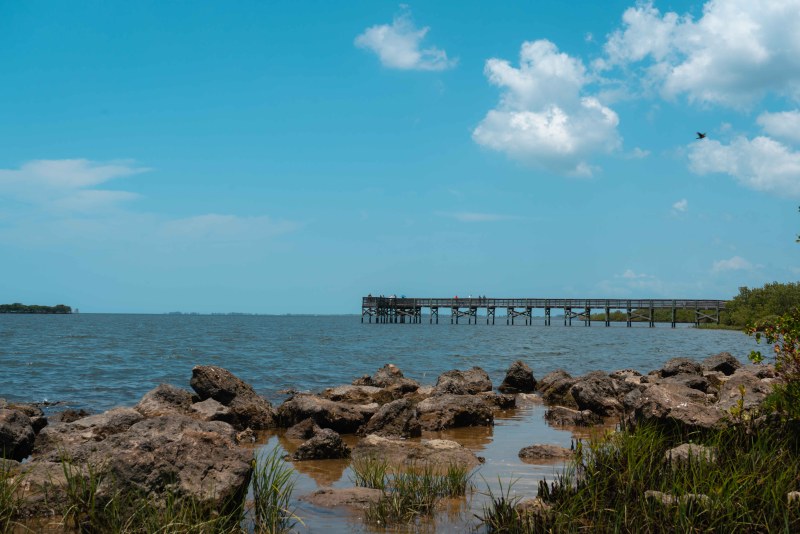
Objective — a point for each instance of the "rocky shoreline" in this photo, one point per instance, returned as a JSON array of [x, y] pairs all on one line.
[[198, 444]]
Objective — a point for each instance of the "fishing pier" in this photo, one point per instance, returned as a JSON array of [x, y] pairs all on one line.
[[409, 310]]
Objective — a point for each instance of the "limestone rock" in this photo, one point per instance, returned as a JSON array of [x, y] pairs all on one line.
[[247, 408], [555, 388], [325, 444], [397, 418], [339, 416], [687, 453], [449, 411], [332, 497], [545, 452], [723, 362], [519, 379], [676, 366], [60, 438], [563, 416], [16, 435], [210, 410], [436, 453], [470, 382], [304, 430], [163, 400]]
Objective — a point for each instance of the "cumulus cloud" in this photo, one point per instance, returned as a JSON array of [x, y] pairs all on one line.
[[736, 263], [736, 52], [544, 117], [67, 183], [784, 124], [761, 163], [681, 206], [399, 46]]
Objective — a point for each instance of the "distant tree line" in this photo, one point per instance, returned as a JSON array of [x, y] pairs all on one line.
[[34, 308], [660, 315], [761, 303]]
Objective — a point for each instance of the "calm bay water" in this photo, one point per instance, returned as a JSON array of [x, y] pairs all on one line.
[[98, 361]]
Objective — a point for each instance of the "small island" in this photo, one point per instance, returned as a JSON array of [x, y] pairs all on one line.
[[34, 308]]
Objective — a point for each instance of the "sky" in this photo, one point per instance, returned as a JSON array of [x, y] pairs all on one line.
[[292, 157]]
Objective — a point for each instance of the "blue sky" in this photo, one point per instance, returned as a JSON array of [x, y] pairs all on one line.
[[290, 157]]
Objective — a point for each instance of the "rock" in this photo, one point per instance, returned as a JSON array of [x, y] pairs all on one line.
[[675, 366], [34, 413], [450, 411], [457, 382], [60, 438], [210, 410], [688, 452], [793, 497], [673, 404], [177, 454], [563, 416], [519, 379], [245, 436], [68, 416], [332, 497], [723, 362], [16, 435], [353, 394], [439, 454], [668, 501], [532, 507], [755, 389], [247, 408], [324, 445], [339, 416], [555, 388], [598, 392], [397, 418], [631, 376], [165, 399], [545, 452], [690, 380], [388, 376], [715, 379], [303, 430], [503, 401]]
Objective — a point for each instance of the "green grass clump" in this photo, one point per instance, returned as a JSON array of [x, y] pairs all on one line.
[[370, 472], [273, 484], [415, 492], [603, 489], [9, 498]]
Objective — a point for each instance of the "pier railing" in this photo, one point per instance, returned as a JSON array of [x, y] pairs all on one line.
[[404, 309]]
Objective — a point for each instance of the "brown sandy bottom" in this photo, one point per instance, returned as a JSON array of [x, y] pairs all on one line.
[[499, 445]]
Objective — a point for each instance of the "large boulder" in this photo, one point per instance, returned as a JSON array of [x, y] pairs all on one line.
[[438, 454], [555, 388], [16, 435], [397, 418], [356, 394], [470, 382], [165, 399], [690, 380], [247, 408], [673, 405], [325, 444], [449, 411], [745, 379], [723, 362], [598, 392], [60, 438], [519, 379], [391, 377], [304, 430], [339, 416], [172, 455], [34, 413], [676, 366]]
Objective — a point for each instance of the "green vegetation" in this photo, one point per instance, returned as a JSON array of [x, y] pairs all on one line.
[[659, 315], [9, 500], [410, 493], [34, 308], [273, 484], [761, 304]]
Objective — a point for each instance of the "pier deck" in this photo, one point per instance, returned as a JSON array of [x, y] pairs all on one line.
[[409, 310]]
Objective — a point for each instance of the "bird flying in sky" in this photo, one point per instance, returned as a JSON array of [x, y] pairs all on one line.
[[701, 135]]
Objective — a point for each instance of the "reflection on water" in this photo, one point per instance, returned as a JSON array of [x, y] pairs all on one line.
[[498, 445]]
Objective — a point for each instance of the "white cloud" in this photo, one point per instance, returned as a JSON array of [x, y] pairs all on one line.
[[66, 183], [736, 52], [762, 163], [736, 263], [225, 228], [469, 217], [681, 206], [631, 283], [784, 125], [542, 117], [637, 153], [398, 45]]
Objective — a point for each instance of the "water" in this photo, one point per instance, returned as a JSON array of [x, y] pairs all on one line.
[[98, 361]]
